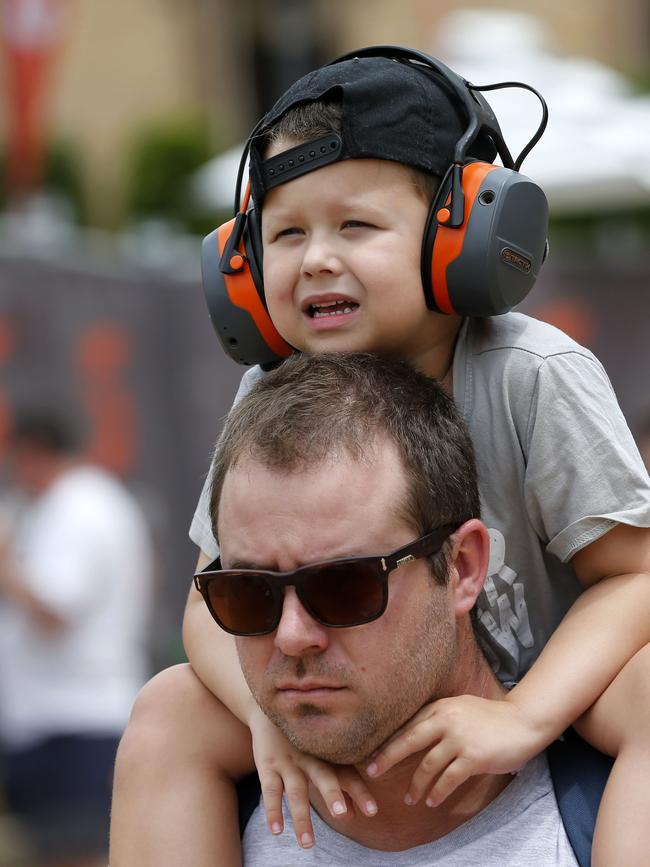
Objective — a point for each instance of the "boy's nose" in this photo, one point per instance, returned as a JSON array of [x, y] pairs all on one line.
[[320, 259], [297, 632]]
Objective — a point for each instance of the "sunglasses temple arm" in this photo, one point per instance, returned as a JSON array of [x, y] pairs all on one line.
[[426, 546]]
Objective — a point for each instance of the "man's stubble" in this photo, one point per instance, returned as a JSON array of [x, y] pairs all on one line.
[[417, 669]]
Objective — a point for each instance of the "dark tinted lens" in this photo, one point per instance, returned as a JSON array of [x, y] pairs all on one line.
[[243, 603], [345, 594]]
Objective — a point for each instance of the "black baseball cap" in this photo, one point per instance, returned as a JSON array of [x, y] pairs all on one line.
[[391, 110]]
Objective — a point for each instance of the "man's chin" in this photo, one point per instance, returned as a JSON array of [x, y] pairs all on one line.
[[332, 740]]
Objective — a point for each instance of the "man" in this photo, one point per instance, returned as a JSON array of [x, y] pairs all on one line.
[[332, 458], [75, 583]]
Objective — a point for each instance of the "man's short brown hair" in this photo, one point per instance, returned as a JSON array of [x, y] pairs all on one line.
[[315, 408]]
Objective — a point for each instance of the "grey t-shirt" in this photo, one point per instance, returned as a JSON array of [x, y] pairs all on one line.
[[558, 468], [520, 828]]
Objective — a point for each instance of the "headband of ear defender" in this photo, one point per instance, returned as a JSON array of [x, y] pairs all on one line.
[[485, 237]]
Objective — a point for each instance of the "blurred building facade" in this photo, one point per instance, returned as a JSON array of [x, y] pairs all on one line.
[[122, 64], [130, 347]]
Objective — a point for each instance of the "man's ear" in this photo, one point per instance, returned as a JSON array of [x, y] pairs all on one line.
[[469, 557]]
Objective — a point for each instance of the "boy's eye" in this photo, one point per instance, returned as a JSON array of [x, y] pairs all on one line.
[[291, 230], [357, 224]]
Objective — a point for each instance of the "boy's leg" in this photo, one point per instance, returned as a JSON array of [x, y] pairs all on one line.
[[174, 800], [619, 724]]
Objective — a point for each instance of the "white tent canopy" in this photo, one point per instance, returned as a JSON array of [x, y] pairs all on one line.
[[594, 153]]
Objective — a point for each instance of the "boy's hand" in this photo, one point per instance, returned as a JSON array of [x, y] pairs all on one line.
[[468, 735], [283, 768]]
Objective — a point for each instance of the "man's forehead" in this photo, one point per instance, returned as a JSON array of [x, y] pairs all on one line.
[[329, 502], [373, 459], [314, 479]]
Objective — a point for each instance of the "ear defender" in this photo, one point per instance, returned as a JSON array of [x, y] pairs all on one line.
[[487, 263], [231, 265]]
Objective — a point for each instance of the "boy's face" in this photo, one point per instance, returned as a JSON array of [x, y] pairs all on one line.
[[342, 262]]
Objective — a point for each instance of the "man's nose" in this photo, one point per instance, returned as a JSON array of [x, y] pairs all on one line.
[[321, 257], [298, 633]]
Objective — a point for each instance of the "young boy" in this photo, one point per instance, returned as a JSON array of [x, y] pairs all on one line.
[[565, 612]]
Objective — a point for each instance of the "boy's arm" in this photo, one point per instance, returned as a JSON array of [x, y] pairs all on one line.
[[605, 627], [600, 633], [213, 655]]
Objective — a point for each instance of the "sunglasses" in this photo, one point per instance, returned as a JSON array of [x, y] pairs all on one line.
[[335, 593]]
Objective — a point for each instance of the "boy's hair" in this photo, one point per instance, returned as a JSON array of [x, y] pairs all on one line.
[[305, 122], [314, 409], [311, 120]]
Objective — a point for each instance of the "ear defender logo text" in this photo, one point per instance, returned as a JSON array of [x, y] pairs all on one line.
[[521, 263]]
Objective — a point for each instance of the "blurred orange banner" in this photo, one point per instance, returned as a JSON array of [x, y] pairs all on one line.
[[31, 31]]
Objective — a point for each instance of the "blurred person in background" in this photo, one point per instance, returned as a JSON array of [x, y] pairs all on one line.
[[75, 580]]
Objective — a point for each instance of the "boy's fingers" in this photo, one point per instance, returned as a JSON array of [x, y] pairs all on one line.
[[272, 789], [324, 778], [430, 768], [414, 739], [297, 792], [452, 777], [358, 791]]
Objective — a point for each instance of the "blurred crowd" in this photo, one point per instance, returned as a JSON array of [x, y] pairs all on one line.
[[76, 572]]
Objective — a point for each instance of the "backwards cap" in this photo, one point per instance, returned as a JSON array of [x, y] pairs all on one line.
[[392, 110]]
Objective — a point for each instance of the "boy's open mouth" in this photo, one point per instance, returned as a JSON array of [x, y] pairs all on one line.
[[331, 308]]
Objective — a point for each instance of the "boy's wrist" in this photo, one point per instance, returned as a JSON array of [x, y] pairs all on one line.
[[253, 713], [542, 727]]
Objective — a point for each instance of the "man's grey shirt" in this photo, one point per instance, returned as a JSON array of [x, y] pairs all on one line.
[[520, 828]]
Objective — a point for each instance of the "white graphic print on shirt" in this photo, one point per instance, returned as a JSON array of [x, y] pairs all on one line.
[[501, 607]]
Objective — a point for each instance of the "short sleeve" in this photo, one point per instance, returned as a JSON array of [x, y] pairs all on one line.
[[584, 473], [201, 527]]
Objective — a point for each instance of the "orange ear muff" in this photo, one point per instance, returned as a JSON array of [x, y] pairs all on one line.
[[245, 290], [448, 242], [234, 291], [487, 263]]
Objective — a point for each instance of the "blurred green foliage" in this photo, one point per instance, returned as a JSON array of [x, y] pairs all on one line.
[[639, 78], [61, 176], [588, 229], [161, 162]]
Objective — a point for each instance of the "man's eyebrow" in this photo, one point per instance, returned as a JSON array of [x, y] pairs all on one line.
[[245, 564]]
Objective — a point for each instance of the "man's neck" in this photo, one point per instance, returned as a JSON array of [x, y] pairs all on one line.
[[396, 826]]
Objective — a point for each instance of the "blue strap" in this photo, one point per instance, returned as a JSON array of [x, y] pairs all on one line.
[[579, 773], [249, 791]]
